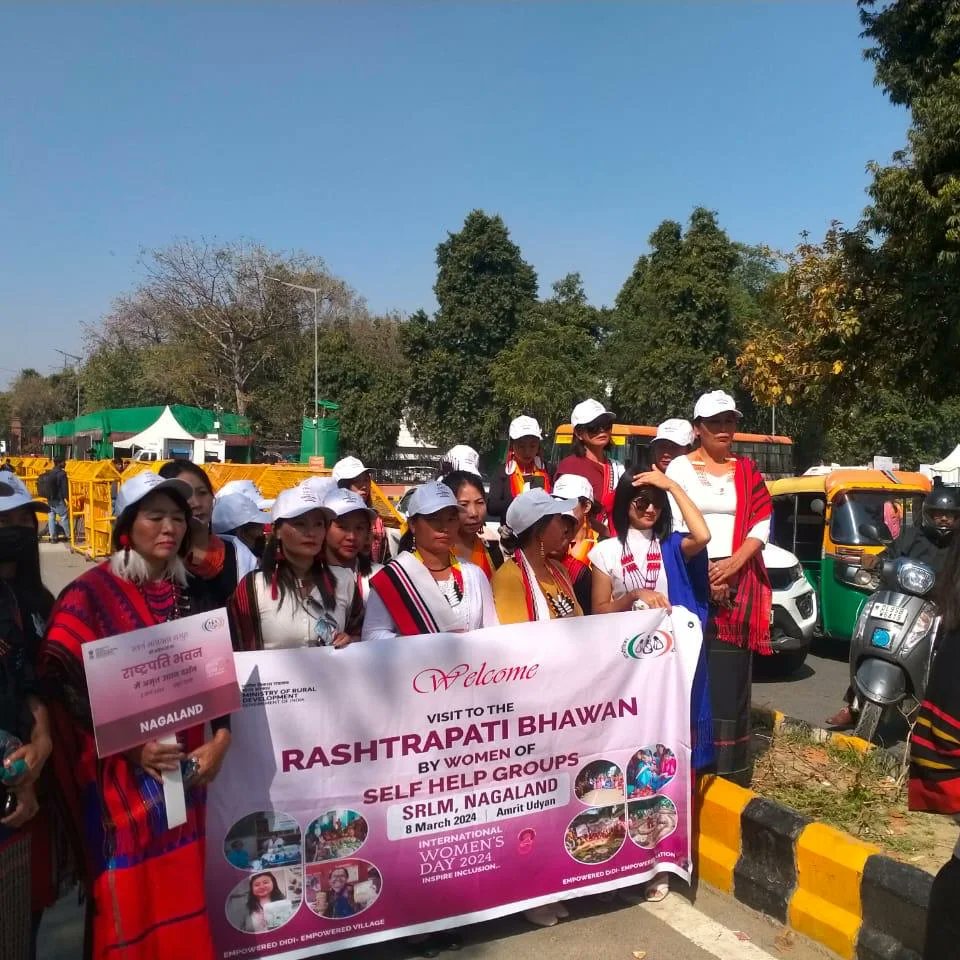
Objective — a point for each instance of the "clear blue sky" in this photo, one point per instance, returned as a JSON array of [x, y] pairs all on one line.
[[363, 132]]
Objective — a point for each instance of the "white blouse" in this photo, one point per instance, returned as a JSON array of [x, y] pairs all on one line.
[[475, 610], [716, 497], [607, 557]]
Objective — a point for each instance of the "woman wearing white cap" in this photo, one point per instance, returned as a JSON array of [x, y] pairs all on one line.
[[533, 586], [291, 601], [238, 520], [350, 474], [25, 605], [733, 498], [674, 438], [592, 426], [115, 805], [346, 549], [426, 588], [524, 469], [469, 543], [588, 531]]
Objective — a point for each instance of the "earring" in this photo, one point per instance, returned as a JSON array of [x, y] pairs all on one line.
[[125, 543], [275, 576], [543, 553]]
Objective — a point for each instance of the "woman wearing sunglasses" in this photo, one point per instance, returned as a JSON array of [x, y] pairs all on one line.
[[649, 564], [292, 600], [733, 498], [592, 432]]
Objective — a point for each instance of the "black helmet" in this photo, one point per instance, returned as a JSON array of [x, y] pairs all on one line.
[[941, 500]]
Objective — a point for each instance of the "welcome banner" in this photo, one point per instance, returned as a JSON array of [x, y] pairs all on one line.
[[423, 783]]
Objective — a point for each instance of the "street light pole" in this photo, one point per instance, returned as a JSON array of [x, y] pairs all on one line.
[[316, 354]]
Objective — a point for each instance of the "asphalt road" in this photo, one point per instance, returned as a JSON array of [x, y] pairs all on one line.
[[697, 924]]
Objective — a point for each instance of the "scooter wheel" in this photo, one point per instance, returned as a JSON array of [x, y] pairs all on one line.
[[869, 721]]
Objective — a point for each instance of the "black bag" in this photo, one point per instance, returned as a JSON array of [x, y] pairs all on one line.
[[46, 485]]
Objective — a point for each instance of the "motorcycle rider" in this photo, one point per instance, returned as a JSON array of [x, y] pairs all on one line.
[[928, 543]]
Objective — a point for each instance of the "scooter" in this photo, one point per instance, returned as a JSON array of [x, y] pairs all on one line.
[[892, 644]]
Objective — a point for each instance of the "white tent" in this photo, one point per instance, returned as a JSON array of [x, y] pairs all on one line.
[[948, 468], [165, 432]]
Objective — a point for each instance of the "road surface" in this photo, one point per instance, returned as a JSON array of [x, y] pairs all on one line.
[[698, 924]]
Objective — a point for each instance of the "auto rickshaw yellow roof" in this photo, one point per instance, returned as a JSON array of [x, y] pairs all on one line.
[[837, 480]]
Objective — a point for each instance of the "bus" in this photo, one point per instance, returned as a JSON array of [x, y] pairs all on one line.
[[773, 455]]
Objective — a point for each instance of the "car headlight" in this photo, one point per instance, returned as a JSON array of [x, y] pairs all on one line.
[[869, 579], [915, 578], [796, 572], [926, 619]]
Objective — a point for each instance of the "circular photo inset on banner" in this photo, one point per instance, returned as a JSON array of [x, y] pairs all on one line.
[[650, 770], [599, 783], [335, 835], [265, 900], [651, 820], [342, 888], [262, 841], [595, 835]]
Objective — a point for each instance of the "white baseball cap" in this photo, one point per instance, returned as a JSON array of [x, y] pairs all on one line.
[[320, 487], [587, 412], [295, 502], [14, 494], [143, 484], [249, 489], [348, 469], [341, 502], [571, 486], [717, 401], [534, 505], [236, 510], [462, 457], [676, 431], [431, 498], [525, 427]]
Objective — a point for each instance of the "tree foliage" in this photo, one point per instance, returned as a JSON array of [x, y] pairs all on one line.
[[484, 289]]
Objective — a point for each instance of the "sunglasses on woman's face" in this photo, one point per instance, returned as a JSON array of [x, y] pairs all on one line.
[[642, 504], [598, 426]]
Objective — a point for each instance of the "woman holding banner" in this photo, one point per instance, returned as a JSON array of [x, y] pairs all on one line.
[[26, 857], [469, 543], [733, 498], [292, 600], [115, 805], [650, 564], [346, 551], [427, 588]]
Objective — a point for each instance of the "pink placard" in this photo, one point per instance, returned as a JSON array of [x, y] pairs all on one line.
[[149, 683]]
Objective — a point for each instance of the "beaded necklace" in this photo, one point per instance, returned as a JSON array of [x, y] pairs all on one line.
[[455, 571]]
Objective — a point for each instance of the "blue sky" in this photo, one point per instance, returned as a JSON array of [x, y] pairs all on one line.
[[363, 132]]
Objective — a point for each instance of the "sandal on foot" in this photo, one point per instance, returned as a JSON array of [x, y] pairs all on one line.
[[541, 916]]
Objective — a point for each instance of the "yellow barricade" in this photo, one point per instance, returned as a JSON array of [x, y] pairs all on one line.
[[93, 484], [221, 473], [138, 466], [283, 476], [29, 470]]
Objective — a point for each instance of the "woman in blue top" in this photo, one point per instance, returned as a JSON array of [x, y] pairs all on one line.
[[648, 565]]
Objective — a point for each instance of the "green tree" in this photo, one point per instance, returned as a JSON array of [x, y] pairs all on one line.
[[674, 326], [554, 362], [484, 289]]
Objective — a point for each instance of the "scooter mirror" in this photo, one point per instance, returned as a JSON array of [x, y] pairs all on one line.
[[870, 532], [818, 507]]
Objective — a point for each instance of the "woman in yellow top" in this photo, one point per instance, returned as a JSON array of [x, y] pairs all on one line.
[[532, 586], [469, 544]]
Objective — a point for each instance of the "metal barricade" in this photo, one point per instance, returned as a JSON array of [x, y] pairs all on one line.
[[93, 486]]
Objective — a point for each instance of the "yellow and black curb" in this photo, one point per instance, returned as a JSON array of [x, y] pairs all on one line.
[[823, 883]]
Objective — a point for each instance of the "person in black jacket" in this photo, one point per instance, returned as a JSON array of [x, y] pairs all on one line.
[[58, 494], [524, 469], [928, 543]]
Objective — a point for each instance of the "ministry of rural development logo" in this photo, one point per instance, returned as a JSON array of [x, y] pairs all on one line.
[[646, 646]]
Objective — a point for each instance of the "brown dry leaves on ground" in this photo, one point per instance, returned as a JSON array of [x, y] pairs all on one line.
[[854, 792]]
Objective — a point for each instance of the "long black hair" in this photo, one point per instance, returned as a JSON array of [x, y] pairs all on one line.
[[276, 570], [458, 479], [253, 903], [626, 494]]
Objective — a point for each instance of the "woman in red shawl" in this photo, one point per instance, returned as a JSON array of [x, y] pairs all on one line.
[[732, 496], [144, 882], [524, 469], [935, 759], [592, 426]]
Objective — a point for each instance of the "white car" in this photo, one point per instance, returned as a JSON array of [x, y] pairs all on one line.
[[794, 614]]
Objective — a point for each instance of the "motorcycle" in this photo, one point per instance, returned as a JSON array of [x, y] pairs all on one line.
[[892, 644]]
